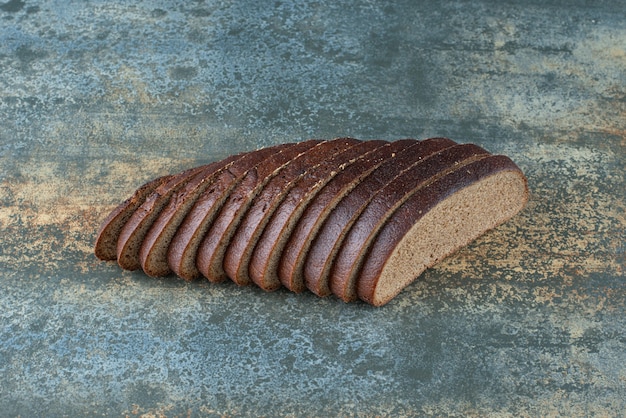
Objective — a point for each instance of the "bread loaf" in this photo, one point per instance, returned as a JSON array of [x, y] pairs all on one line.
[[358, 219]]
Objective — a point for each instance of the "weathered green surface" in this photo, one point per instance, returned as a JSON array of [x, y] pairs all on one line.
[[97, 97]]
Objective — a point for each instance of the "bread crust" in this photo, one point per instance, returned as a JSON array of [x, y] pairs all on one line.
[[327, 241], [357, 239], [418, 206], [289, 256], [132, 234], [154, 248], [266, 253], [105, 247], [183, 248], [210, 256], [238, 252]]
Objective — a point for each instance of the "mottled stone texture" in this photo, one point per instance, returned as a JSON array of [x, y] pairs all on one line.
[[97, 97]]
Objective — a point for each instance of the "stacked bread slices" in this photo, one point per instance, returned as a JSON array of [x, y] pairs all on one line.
[[357, 219]]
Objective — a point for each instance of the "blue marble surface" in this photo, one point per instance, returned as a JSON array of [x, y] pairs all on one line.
[[97, 97]]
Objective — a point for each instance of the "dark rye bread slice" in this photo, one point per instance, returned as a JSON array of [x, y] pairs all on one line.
[[132, 234], [328, 240], [210, 256], [153, 251], [266, 254], [291, 266], [183, 248], [437, 221], [347, 260], [105, 247], [237, 255]]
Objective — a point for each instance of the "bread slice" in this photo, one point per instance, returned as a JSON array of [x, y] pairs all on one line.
[[153, 250], [210, 256], [346, 261], [290, 268], [132, 234], [265, 256], [328, 241], [105, 246], [183, 248], [437, 221], [237, 255]]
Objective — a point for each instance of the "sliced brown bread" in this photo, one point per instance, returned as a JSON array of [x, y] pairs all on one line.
[[437, 221], [183, 248], [105, 247], [153, 250], [356, 240], [210, 256], [291, 266], [328, 241], [265, 256], [132, 234], [361, 223], [243, 241]]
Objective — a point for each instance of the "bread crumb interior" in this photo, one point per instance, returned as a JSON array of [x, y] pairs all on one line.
[[449, 226]]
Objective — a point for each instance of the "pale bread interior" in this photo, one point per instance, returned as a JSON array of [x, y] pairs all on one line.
[[449, 226]]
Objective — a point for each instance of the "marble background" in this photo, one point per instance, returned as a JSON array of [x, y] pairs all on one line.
[[97, 97]]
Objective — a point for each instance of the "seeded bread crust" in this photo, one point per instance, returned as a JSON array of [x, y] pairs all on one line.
[[387, 199], [264, 259], [480, 196], [134, 231], [210, 254], [183, 249], [105, 246], [327, 242], [237, 255], [153, 250]]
